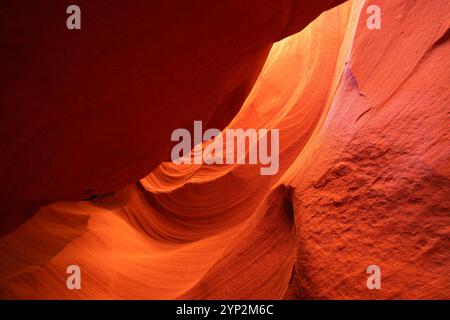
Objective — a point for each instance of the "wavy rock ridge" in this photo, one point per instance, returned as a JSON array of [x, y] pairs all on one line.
[[363, 179]]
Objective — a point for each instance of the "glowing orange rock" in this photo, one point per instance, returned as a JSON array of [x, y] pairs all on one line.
[[88, 111], [364, 180]]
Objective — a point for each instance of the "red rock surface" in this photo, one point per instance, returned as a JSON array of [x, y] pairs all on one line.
[[84, 112], [364, 155]]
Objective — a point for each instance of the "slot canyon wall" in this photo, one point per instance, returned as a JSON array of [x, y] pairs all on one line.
[[364, 151]]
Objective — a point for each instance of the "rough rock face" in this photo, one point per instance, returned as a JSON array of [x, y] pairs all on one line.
[[364, 155], [377, 190]]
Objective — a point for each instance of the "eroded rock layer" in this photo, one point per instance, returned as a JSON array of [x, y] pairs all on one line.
[[363, 179]]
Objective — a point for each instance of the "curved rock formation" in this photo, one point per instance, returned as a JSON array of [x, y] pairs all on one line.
[[364, 149], [84, 112]]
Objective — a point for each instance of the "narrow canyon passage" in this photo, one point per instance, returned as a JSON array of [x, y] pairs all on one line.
[[363, 179]]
